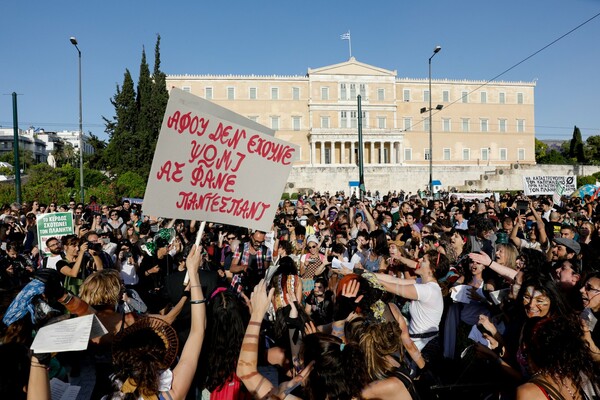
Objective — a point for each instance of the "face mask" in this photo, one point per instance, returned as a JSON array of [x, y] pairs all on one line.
[[395, 210], [388, 225]]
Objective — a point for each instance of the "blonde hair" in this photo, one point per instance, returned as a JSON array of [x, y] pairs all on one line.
[[377, 342], [511, 254], [101, 288]]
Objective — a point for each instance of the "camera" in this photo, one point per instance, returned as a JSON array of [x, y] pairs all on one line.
[[522, 205], [97, 247], [125, 255]]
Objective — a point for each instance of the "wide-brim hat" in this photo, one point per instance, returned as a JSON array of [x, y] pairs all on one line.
[[165, 332]]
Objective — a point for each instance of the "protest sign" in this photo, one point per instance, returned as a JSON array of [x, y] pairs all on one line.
[[472, 196], [545, 185], [53, 225], [214, 165]]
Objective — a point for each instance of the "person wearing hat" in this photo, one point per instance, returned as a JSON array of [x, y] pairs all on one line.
[[564, 249]]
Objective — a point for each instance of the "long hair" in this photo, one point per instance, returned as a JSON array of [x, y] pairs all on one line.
[[381, 246], [378, 341], [558, 306], [556, 346], [339, 371], [227, 320], [511, 253]]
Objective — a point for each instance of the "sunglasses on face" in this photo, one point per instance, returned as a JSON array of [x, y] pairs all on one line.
[[312, 247], [590, 288]]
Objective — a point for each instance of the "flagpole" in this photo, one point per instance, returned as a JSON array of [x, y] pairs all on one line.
[[350, 43]]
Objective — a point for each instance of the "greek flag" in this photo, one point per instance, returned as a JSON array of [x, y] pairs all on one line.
[[345, 36]]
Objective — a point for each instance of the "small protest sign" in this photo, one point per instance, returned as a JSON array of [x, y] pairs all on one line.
[[214, 165], [53, 225], [546, 185], [68, 335]]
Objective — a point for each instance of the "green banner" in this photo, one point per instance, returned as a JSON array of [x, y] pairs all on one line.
[[53, 225]]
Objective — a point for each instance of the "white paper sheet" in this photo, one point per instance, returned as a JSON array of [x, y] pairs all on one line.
[[69, 335], [337, 264], [476, 336], [60, 390], [460, 293]]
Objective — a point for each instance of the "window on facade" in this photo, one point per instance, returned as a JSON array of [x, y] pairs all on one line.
[[427, 154], [446, 154], [483, 96], [363, 90], [520, 125], [186, 89], [407, 124], [295, 93], [230, 93], [208, 93], [484, 124], [296, 123], [426, 95], [519, 98], [380, 94], [381, 122], [502, 98], [275, 123], [252, 93], [353, 119], [485, 154], [407, 154], [406, 95], [466, 154], [446, 124], [465, 124], [503, 154], [502, 125], [426, 124], [324, 122], [274, 93], [352, 91], [521, 154], [344, 119], [446, 96], [343, 94], [465, 97], [327, 155], [324, 93]]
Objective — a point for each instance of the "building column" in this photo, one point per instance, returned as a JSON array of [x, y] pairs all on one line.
[[381, 152], [313, 153], [371, 156], [332, 152], [343, 152], [322, 152]]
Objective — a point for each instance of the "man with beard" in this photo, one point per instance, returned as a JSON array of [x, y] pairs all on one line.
[[56, 254], [251, 260]]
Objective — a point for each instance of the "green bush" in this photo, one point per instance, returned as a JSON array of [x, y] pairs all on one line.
[[285, 196], [294, 196]]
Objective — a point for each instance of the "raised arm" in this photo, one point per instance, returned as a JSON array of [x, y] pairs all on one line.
[[184, 372]]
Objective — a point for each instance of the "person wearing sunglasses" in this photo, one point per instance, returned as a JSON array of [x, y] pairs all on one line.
[[312, 264], [590, 294]]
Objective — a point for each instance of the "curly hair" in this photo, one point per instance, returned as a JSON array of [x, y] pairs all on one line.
[[339, 371], [224, 335], [556, 347], [558, 306], [141, 362], [377, 342]]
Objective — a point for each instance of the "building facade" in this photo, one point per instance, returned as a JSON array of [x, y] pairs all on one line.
[[479, 124]]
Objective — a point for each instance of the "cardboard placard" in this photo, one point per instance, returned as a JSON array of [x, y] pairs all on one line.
[[53, 225], [211, 164]]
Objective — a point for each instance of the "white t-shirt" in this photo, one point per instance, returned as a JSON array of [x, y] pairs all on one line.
[[129, 273], [426, 311], [52, 260]]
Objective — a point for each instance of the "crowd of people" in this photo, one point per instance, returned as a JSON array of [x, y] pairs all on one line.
[[384, 297]]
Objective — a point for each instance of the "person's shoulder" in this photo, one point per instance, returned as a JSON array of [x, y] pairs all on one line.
[[530, 391]]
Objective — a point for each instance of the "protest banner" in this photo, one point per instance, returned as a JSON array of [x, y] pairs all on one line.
[[214, 165], [546, 185], [53, 225], [472, 196]]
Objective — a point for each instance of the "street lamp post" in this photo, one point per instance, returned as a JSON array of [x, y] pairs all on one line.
[[435, 51], [74, 43]]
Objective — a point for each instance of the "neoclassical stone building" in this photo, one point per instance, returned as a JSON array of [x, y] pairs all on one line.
[[487, 125]]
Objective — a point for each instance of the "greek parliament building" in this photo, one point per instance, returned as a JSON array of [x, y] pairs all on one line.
[[478, 129]]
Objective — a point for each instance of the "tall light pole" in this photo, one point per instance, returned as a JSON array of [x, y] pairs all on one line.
[[435, 51], [74, 43]]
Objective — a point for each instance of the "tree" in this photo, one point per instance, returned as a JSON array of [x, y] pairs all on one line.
[[592, 149], [119, 155], [160, 96], [576, 146], [96, 160], [540, 149]]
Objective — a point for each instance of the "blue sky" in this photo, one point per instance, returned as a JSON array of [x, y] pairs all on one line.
[[479, 40]]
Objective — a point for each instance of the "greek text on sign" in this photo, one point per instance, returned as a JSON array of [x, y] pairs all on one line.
[[540, 185], [214, 165], [53, 225]]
